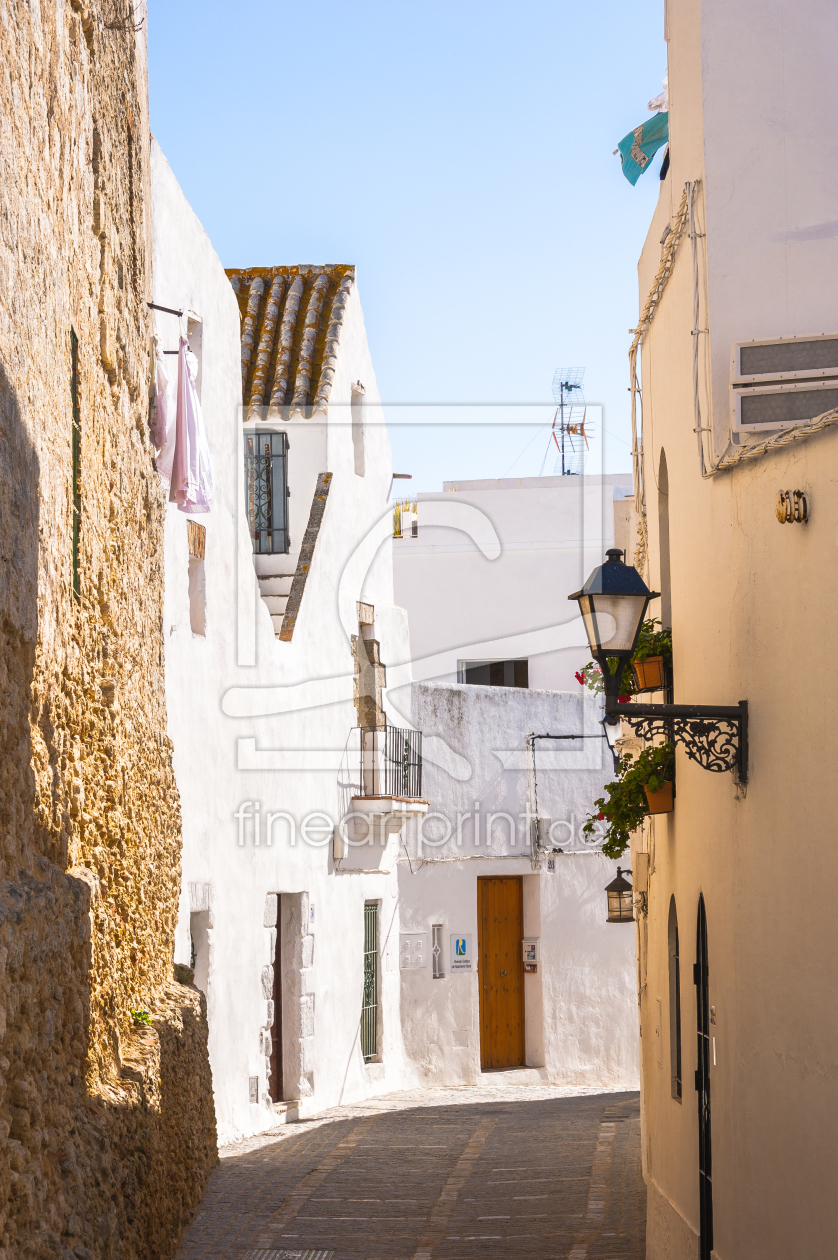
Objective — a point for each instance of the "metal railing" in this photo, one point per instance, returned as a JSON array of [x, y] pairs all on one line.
[[391, 762]]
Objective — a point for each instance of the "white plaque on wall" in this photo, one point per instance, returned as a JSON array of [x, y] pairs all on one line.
[[461, 953]]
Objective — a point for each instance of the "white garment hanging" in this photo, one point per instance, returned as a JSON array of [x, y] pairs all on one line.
[[192, 487], [165, 404]]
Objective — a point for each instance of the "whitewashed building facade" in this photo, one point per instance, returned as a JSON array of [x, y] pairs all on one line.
[[312, 911], [271, 660], [485, 578]]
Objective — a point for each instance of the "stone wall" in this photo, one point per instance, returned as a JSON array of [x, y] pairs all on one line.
[[107, 1130]]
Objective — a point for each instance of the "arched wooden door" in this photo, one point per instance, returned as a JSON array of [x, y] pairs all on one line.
[[702, 1084]]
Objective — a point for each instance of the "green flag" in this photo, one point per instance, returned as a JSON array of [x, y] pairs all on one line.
[[637, 149]]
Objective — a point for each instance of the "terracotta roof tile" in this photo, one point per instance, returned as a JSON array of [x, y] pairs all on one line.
[[291, 323]]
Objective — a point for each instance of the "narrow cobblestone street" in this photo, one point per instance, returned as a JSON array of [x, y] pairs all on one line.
[[444, 1174]]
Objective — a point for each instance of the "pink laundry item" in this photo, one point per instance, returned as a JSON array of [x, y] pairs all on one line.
[[191, 485]]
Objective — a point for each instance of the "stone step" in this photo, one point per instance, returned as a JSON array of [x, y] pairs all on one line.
[[276, 603], [280, 585]]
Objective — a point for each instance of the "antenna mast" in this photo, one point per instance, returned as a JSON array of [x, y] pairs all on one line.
[[570, 414]]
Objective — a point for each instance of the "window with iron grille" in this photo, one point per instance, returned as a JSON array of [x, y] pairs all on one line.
[[436, 953], [266, 491], [76, 460], [369, 1009]]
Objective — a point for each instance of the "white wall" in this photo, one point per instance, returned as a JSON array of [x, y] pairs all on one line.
[[776, 77], [292, 711], [464, 604], [581, 1008]]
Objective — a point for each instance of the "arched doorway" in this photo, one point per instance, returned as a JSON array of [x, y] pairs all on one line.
[[702, 1084]]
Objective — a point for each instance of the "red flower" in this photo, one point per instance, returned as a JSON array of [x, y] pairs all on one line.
[[580, 678], [600, 815], [624, 699]]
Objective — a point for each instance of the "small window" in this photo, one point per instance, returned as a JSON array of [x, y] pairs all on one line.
[[357, 414], [195, 340], [197, 539], [369, 1006], [266, 491], [200, 959], [495, 673], [436, 953]]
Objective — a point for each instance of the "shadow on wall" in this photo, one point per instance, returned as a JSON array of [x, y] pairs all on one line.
[[111, 1173]]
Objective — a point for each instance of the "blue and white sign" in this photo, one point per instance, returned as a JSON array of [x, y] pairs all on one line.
[[461, 953]]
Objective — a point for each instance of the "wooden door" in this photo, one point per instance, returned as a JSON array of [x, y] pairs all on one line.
[[500, 925], [276, 1083]]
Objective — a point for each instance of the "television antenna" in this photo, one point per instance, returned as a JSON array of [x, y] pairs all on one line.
[[568, 431]]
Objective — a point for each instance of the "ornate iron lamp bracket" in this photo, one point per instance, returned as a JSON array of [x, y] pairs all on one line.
[[713, 736]]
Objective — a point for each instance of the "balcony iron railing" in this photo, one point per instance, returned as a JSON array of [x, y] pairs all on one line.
[[391, 762]]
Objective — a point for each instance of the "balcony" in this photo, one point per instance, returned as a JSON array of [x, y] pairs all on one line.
[[384, 783]]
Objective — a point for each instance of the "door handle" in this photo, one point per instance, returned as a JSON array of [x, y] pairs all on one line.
[[504, 973]]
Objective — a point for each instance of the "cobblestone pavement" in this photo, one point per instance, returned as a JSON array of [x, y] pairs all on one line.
[[518, 1173]]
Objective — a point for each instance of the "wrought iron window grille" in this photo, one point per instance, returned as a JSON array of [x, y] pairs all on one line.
[[436, 953], [266, 492], [369, 1006]]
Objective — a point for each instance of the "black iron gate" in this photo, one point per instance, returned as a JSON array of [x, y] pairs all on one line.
[[702, 1084]]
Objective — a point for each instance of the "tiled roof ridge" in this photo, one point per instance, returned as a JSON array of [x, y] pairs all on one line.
[[291, 324]]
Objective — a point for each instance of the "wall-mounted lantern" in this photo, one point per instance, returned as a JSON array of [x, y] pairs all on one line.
[[613, 604], [620, 908]]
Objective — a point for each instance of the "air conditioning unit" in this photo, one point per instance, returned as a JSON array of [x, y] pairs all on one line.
[[782, 383]]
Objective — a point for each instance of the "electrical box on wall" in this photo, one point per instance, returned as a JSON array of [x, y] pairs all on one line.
[[412, 951], [532, 954]]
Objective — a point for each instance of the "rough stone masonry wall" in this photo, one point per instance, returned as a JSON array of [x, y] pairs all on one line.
[[107, 1129]]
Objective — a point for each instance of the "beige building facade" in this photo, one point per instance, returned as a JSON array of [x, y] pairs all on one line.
[[107, 1130], [737, 445]]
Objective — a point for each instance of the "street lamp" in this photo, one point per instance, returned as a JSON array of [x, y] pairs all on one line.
[[620, 908], [613, 604]]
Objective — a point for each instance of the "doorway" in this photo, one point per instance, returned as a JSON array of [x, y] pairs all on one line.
[[500, 926], [276, 1082], [702, 1084]]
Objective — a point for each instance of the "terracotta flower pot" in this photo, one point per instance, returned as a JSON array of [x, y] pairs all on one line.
[[662, 801], [649, 675]]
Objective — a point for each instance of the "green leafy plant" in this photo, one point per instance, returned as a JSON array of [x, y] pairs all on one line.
[[626, 805], [654, 642], [141, 1017]]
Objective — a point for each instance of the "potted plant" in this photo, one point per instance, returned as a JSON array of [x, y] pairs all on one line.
[[651, 666], [590, 676], [645, 786]]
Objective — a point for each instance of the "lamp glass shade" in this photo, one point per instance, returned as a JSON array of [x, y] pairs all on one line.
[[613, 603], [612, 622], [620, 905], [620, 908]]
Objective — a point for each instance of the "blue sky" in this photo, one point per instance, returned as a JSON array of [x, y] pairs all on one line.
[[459, 154]]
